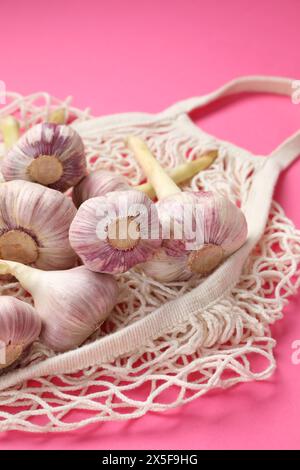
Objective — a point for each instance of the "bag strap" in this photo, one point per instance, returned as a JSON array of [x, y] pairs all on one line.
[[286, 152], [248, 84]]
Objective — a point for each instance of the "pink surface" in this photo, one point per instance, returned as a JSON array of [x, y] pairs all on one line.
[[136, 55]]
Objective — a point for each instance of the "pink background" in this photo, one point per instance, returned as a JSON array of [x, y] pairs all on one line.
[[142, 55]]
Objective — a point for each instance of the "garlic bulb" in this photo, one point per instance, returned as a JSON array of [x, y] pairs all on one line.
[[49, 154], [72, 304], [20, 326], [34, 225], [101, 182], [98, 183], [202, 228], [115, 232]]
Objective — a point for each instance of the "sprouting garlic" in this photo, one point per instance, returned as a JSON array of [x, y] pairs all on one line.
[[20, 325], [101, 182], [57, 116], [183, 172], [34, 225], [98, 183], [115, 232], [49, 154], [202, 228], [72, 304], [10, 129]]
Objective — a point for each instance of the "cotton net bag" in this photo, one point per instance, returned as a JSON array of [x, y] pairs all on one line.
[[166, 344]]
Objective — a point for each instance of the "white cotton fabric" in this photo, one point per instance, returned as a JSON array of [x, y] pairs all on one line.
[[183, 337]]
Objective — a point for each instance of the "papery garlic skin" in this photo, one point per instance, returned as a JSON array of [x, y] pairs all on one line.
[[90, 297], [98, 183], [20, 325], [72, 303], [34, 225], [101, 182], [215, 220], [49, 154], [165, 268], [115, 210]]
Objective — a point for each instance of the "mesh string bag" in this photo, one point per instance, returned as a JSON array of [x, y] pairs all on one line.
[[166, 344]]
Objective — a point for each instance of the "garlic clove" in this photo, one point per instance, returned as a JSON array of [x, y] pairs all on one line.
[[20, 326], [49, 154], [115, 232], [98, 183], [34, 225], [72, 303]]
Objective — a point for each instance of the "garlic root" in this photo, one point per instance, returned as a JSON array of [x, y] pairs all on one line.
[[57, 116], [98, 183]]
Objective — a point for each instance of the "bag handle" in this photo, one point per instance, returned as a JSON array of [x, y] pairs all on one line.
[[248, 84], [289, 150], [286, 152]]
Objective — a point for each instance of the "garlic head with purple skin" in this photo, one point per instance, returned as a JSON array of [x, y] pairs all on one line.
[[115, 232], [34, 225], [165, 268], [20, 326], [200, 229], [72, 304], [216, 230], [98, 183], [49, 154]]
